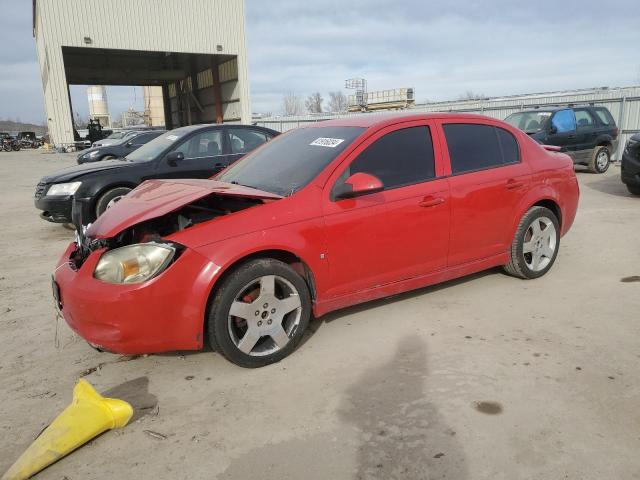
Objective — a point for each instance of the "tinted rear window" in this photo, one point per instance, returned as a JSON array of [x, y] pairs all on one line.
[[477, 147], [472, 147]]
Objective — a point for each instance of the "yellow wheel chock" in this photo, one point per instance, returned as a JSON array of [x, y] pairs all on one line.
[[89, 415]]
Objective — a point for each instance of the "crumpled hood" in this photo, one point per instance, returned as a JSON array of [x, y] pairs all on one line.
[[155, 198]]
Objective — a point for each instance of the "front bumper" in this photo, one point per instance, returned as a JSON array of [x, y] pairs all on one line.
[[630, 170], [55, 209], [163, 314]]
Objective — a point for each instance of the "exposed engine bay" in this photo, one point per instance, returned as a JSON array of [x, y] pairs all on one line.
[[200, 211]]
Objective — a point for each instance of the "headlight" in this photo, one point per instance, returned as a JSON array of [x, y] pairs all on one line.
[[63, 188], [134, 263], [91, 154]]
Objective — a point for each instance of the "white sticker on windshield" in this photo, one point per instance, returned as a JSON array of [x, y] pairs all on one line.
[[173, 138], [327, 142]]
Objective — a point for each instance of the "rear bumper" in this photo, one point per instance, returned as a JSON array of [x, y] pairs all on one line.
[[55, 209], [164, 314]]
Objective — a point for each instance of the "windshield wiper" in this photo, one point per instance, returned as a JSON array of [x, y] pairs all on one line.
[[235, 182]]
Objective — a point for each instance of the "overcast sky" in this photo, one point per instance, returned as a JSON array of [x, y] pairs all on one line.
[[440, 48]]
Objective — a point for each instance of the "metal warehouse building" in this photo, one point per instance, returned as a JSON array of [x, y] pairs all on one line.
[[623, 103], [194, 49]]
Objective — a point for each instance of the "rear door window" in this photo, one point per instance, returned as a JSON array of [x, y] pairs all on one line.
[[472, 147], [584, 119], [564, 121]]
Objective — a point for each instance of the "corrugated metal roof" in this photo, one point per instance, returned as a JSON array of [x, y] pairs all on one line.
[[622, 102]]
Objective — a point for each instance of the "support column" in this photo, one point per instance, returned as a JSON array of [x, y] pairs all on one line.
[[193, 72], [217, 90], [166, 103]]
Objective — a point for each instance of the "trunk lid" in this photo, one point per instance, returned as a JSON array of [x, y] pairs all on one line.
[[155, 198]]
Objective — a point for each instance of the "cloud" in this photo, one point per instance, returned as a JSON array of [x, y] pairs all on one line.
[[440, 48]]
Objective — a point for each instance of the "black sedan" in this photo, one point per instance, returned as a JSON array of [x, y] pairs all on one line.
[[196, 151], [630, 168], [119, 149]]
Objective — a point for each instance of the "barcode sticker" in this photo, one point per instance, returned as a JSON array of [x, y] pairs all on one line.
[[327, 142]]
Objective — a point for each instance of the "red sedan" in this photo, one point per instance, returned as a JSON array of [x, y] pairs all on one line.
[[322, 217]]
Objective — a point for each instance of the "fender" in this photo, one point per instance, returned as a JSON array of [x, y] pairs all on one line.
[[539, 192], [227, 253], [606, 138]]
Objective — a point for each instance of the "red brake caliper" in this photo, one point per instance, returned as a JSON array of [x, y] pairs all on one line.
[[248, 298]]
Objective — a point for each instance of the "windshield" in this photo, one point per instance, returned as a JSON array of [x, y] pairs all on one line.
[[150, 151], [289, 162], [116, 135], [529, 122]]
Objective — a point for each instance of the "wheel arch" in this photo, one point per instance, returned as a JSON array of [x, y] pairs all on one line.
[[104, 189], [283, 255], [543, 198], [551, 205], [605, 141]]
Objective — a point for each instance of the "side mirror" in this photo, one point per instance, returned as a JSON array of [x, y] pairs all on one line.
[[553, 129], [174, 157], [359, 184], [128, 144]]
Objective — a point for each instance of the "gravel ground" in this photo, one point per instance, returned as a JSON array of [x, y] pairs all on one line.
[[483, 377]]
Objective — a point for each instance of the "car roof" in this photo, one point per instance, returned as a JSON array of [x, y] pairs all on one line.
[[199, 126], [555, 108], [374, 120]]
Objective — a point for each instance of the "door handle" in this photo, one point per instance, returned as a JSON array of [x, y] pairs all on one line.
[[431, 201], [512, 184], [571, 136]]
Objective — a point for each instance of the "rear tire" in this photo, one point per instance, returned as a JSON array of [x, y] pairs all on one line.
[[600, 159], [109, 198], [272, 308], [633, 190], [535, 245]]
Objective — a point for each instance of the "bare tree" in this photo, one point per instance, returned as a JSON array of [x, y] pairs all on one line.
[[314, 103], [337, 102], [471, 95], [291, 104]]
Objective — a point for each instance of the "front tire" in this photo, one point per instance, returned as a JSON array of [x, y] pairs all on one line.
[[633, 190], [259, 314], [535, 244], [110, 198], [600, 160]]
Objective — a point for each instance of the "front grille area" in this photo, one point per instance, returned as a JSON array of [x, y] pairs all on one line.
[[40, 189]]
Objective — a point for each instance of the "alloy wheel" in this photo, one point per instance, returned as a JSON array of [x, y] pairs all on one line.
[[602, 160], [264, 315], [539, 245], [113, 201]]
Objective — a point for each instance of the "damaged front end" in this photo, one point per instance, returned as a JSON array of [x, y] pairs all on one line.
[[158, 209]]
